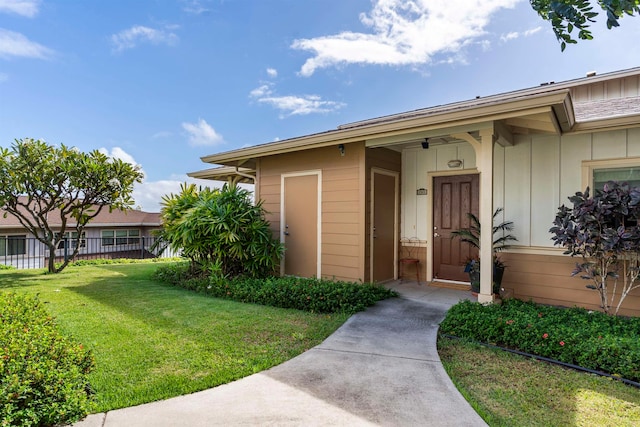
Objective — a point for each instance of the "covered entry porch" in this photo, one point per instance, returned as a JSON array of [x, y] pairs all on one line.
[[454, 163]]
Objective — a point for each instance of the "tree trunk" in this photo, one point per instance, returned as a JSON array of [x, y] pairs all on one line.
[[52, 258]]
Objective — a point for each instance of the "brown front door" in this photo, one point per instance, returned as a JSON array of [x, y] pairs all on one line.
[[453, 198], [383, 230], [300, 225]]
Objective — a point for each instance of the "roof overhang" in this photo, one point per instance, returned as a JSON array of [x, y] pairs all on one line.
[[613, 123], [550, 109], [226, 173]]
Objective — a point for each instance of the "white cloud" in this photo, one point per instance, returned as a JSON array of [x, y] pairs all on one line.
[[514, 34], [4, 77], [130, 38], [301, 105], [403, 33], [161, 135], [16, 44], [119, 153], [201, 133], [272, 72], [148, 195], [532, 31], [509, 36], [28, 8], [195, 7], [261, 91], [293, 105]]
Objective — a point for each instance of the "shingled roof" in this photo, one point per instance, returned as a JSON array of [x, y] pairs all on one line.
[[115, 218], [606, 108]]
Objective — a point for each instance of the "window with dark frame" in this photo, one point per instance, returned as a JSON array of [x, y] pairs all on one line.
[[13, 245]]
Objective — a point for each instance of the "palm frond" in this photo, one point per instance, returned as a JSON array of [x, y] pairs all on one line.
[[471, 234]]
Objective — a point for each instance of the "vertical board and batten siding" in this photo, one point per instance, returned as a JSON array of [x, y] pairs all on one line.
[[541, 172], [342, 223], [381, 158], [416, 164], [532, 179], [618, 88], [414, 209]]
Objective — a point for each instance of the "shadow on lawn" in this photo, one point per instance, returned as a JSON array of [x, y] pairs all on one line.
[[10, 279], [130, 289]]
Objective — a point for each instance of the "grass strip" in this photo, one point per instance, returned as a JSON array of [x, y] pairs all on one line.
[[153, 341], [508, 389]]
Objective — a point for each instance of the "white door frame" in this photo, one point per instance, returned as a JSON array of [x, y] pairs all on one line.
[[396, 177], [283, 176]]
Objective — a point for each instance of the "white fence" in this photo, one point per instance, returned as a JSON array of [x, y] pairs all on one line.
[[27, 252]]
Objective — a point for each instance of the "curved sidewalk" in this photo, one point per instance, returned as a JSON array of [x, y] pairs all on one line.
[[380, 368]]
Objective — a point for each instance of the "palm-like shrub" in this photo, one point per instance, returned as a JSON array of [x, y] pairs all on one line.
[[220, 230], [500, 233], [501, 240]]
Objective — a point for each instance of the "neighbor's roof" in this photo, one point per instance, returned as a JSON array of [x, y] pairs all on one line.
[[115, 218]]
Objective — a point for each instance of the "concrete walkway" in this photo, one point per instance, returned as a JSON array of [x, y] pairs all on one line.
[[380, 368]]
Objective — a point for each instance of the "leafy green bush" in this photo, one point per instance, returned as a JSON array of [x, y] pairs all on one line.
[[589, 339], [108, 261], [314, 295], [42, 373], [221, 231]]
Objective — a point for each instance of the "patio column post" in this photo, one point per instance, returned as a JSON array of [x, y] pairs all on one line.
[[484, 158]]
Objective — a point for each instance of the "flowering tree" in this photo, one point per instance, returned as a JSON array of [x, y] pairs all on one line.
[[54, 189], [605, 232]]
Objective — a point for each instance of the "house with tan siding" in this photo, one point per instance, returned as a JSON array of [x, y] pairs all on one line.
[[115, 234], [351, 202]]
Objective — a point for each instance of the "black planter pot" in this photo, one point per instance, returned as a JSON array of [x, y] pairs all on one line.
[[474, 278]]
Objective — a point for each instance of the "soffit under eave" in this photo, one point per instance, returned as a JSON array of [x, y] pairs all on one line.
[[447, 119], [225, 174], [539, 120]]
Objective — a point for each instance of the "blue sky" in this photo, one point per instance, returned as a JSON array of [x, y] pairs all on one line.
[[161, 83]]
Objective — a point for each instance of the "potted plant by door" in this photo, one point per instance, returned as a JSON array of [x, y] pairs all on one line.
[[501, 240]]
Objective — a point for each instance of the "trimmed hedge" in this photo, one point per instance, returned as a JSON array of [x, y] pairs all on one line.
[[313, 295], [589, 339], [42, 373]]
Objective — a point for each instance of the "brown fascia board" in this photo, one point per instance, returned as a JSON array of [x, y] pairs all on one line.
[[469, 112]]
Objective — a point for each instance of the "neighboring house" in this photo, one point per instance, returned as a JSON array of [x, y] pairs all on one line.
[[112, 234], [346, 202]]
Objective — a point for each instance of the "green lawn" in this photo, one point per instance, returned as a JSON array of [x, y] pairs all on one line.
[[152, 341], [511, 390]]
